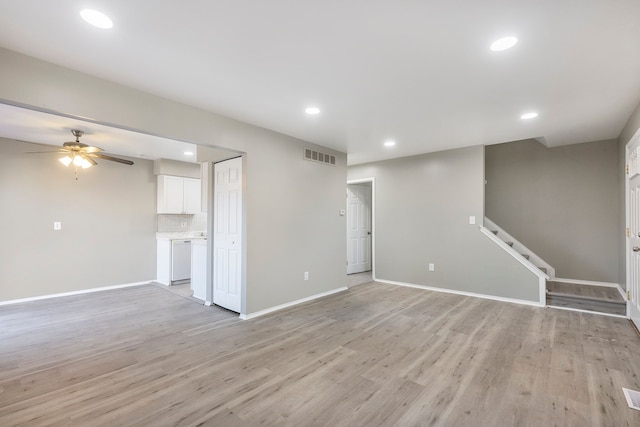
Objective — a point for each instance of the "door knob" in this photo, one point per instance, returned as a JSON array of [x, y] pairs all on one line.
[[636, 249], [369, 233]]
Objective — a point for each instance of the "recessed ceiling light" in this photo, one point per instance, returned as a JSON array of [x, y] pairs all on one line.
[[188, 153], [312, 111], [389, 143], [527, 116], [97, 19], [503, 43]]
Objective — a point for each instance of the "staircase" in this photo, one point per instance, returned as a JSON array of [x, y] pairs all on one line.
[[521, 250], [562, 293]]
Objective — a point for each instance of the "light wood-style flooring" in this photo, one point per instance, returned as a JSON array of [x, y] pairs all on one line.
[[373, 355]]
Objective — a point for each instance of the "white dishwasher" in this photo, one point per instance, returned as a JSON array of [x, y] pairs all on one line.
[[180, 260]]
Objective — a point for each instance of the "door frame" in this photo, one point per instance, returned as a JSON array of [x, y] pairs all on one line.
[[627, 245], [210, 237], [371, 180]]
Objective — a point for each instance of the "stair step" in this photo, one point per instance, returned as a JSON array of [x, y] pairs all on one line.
[[525, 256], [595, 305], [597, 299], [495, 232], [543, 269], [510, 244]]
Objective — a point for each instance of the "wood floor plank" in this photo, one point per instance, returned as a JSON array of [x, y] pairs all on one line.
[[374, 355]]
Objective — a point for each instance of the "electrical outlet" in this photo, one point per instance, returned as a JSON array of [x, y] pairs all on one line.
[[183, 224], [472, 220], [306, 275], [432, 267], [57, 225]]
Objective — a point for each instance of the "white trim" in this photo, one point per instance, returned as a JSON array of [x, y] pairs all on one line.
[[83, 291], [464, 293], [372, 180], [578, 310], [586, 282], [623, 294], [542, 276], [519, 247], [515, 254], [291, 304]]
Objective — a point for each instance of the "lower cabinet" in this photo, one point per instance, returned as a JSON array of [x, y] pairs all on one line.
[[199, 269], [173, 261]]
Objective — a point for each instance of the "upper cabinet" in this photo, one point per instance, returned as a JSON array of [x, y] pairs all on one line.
[[178, 195]]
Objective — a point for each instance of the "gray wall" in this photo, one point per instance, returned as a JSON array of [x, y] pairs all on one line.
[[108, 223], [632, 126], [561, 202], [292, 205], [176, 168], [422, 209]]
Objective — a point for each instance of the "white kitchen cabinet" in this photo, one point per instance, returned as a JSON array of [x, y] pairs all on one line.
[[192, 196], [178, 195]]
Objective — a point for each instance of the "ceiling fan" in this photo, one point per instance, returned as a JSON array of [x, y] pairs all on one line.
[[82, 155]]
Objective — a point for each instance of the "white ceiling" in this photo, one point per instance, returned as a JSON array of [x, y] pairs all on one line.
[[44, 128], [419, 72]]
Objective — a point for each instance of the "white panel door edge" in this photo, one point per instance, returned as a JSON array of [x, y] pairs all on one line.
[[633, 228], [358, 228]]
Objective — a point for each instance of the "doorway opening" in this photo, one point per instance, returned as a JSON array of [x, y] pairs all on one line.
[[360, 231]]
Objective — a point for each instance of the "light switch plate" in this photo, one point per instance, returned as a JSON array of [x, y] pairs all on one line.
[[432, 267], [57, 225], [472, 220]]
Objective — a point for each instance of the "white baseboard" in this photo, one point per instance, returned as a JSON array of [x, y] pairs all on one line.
[[467, 294], [586, 282], [83, 291], [619, 316], [291, 304]]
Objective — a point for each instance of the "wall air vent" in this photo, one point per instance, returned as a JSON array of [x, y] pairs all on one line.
[[316, 156]]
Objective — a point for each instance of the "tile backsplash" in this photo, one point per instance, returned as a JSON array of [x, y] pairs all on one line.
[[168, 223]]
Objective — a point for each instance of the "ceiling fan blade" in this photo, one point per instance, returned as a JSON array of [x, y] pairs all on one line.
[[90, 160], [45, 152], [107, 157]]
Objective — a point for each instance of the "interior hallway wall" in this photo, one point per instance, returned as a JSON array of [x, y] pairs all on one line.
[[561, 202], [292, 223], [422, 209]]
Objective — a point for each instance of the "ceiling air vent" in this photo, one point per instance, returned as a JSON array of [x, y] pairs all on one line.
[[316, 156]]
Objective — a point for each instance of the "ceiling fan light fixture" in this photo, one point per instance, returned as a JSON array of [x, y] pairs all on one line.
[[85, 164], [77, 160], [66, 160]]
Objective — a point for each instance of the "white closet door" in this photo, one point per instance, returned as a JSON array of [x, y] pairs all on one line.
[[227, 234]]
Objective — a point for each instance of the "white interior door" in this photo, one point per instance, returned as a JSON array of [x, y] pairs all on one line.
[[227, 234], [358, 228], [633, 228]]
